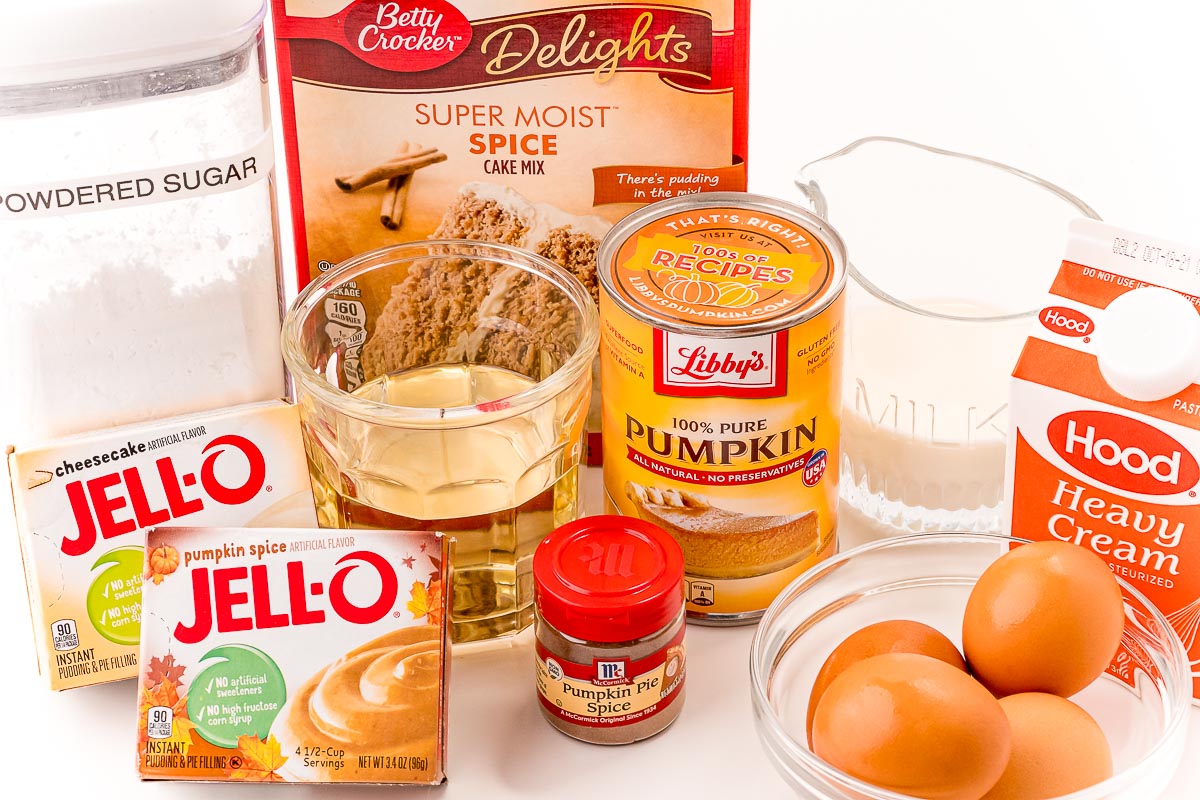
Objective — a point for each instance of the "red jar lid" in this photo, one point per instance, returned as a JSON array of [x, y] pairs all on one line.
[[608, 579]]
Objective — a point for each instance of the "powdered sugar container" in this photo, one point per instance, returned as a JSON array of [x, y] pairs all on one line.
[[136, 214]]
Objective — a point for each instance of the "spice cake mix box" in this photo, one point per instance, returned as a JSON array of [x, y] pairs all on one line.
[[291, 655], [536, 123], [1104, 446], [83, 502], [533, 123]]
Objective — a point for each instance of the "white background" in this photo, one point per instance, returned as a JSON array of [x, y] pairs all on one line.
[[1098, 97]]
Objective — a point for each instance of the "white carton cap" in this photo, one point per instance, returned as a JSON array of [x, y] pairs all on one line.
[[1148, 344], [76, 39]]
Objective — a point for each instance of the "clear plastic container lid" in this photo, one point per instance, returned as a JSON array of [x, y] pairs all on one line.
[[68, 40]]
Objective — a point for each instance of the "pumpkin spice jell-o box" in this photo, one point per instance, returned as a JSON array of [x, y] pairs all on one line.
[[83, 504], [290, 655]]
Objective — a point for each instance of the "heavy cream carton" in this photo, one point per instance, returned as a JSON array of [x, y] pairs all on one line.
[[291, 655], [1104, 447], [83, 503]]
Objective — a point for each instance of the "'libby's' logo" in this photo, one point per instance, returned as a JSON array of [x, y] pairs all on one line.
[[697, 366], [220, 594], [703, 364], [99, 504], [1123, 452]]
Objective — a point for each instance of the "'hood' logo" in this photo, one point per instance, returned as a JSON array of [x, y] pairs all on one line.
[[1066, 321], [1123, 452]]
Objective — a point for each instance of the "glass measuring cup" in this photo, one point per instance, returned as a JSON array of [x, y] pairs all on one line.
[[950, 257]]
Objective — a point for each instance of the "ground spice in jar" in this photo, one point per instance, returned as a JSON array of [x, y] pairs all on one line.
[[610, 625]]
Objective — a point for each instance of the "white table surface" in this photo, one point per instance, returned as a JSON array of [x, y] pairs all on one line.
[[1096, 96], [499, 746]]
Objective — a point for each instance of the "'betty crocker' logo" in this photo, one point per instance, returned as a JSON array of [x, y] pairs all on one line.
[[407, 36], [1122, 452], [1066, 321]]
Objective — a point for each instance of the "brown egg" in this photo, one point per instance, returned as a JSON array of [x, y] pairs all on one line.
[[1044, 617], [913, 724], [891, 636], [1057, 748]]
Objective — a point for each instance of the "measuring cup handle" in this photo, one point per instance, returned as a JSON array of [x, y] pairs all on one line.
[[810, 192]]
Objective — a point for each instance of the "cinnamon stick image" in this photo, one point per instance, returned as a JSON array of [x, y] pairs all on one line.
[[394, 168], [391, 214]]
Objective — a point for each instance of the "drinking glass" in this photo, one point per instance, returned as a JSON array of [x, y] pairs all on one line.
[[443, 385]]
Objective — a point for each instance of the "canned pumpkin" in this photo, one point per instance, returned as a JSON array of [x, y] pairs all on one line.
[[721, 361]]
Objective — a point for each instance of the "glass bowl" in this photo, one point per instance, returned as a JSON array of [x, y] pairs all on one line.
[[1142, 702]]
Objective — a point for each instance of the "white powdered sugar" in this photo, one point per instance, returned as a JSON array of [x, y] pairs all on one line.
[[120, 312]]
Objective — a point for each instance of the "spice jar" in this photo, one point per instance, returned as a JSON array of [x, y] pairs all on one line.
[[610, 624], [136, 214]]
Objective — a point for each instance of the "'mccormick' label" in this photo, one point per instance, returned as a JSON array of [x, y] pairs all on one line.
[[611, 691], [293, 655], [1090, 466], [721, 369], [83, 503]]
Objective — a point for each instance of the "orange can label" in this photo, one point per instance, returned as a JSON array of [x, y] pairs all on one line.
[[721, 374]]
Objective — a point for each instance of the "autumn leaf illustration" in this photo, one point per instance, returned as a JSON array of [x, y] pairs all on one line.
[[161, 562], [419, 604], [256, 760], [426, 601], [164, 669], [434, 593], [164, 693]]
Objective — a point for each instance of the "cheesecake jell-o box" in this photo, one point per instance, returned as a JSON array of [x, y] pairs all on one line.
[[1104, 446], [292, 655], [83, 504]]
